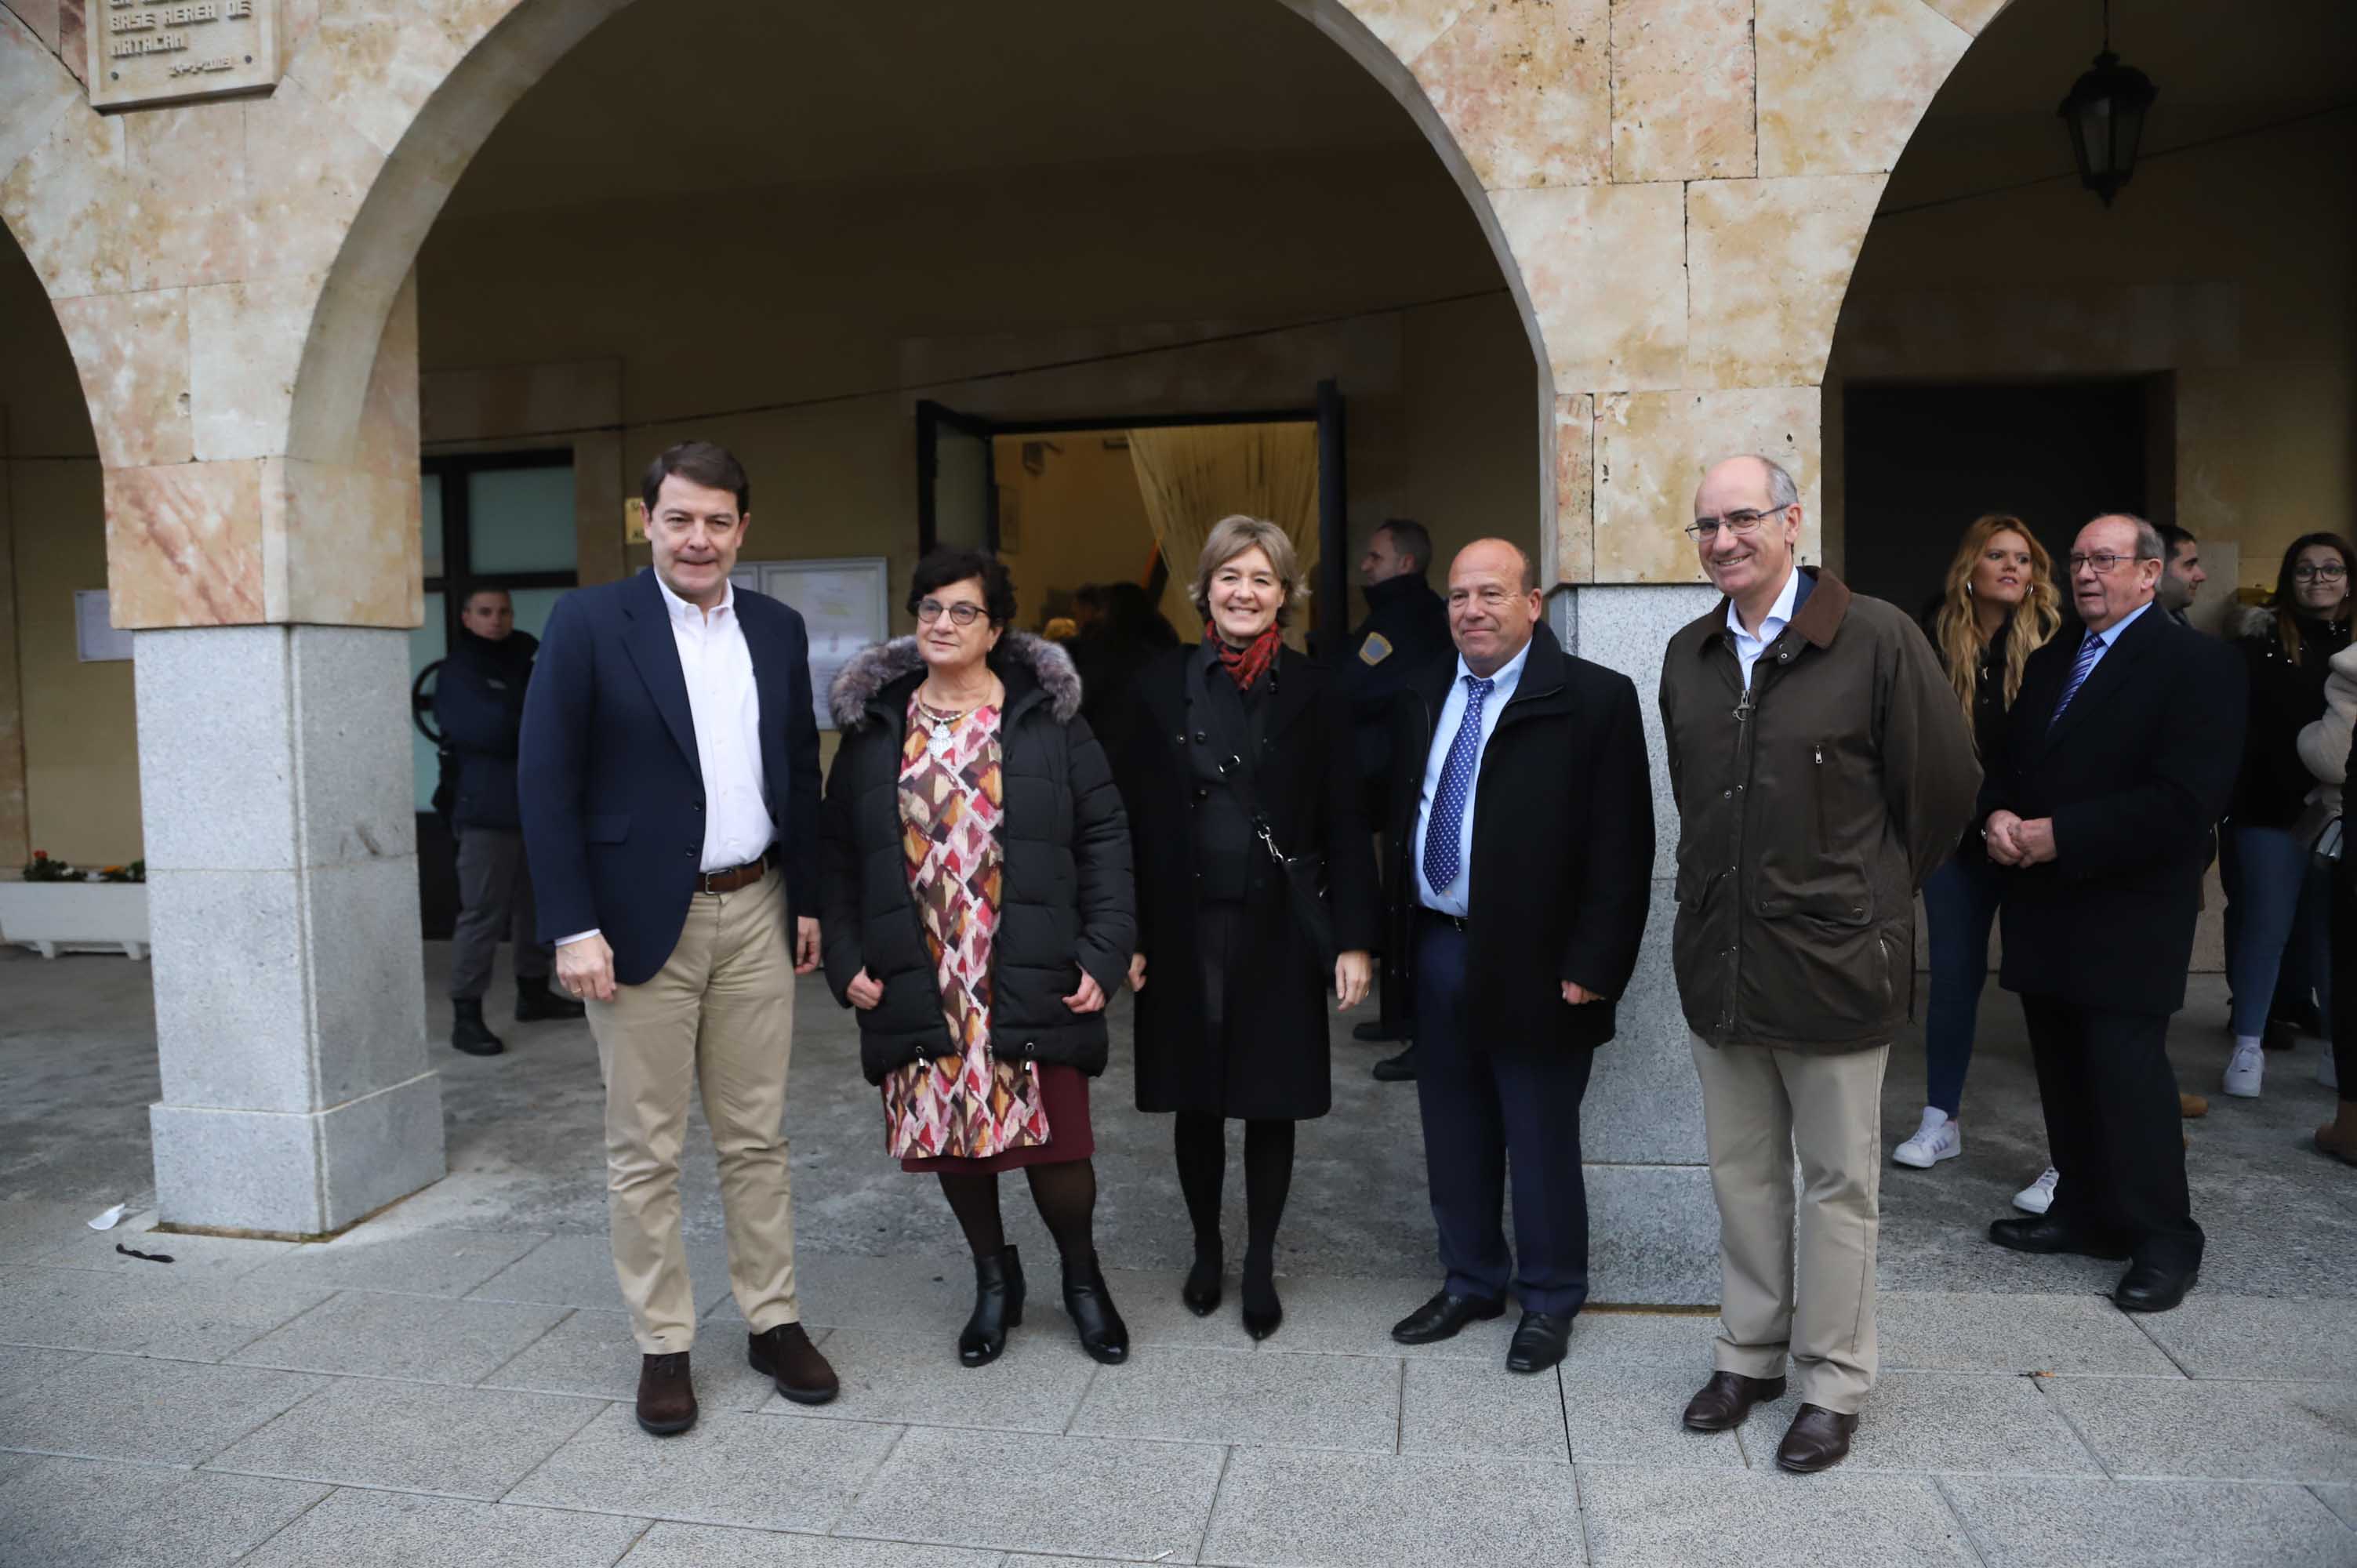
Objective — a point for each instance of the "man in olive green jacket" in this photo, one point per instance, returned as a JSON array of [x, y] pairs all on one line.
[[1822, 769]]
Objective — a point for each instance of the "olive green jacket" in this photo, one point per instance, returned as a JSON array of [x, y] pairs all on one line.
[[1811, 807]]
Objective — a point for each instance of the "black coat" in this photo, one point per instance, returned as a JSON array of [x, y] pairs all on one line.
[[2285, 697], [1065, 902], [2135, 775], [1307, 781], [478, 703], [1563, 846], [1406, 629]]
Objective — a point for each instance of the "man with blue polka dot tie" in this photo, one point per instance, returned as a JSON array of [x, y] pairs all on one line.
[[1521, 848]]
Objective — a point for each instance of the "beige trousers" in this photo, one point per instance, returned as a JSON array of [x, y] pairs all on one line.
[[721, 1012], [1758, 1106]]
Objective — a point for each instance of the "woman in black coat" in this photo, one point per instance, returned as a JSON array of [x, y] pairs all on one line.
[[977, 911], [1238, 734]]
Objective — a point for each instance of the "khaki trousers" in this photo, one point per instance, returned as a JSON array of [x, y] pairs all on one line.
[[1758, 1106], [721, 1012]]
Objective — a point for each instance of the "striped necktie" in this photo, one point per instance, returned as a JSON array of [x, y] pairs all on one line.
[[2089, 652], [1441, 832]]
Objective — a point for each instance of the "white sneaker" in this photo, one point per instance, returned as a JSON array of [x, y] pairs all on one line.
[[2039, 1196], [2326, 1073], [2243, 1070], [1939, 1138]]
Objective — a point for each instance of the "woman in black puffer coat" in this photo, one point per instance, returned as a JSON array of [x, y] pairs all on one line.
[[977, 911]]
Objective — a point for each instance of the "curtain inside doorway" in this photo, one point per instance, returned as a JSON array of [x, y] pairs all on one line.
[[1192, 476]]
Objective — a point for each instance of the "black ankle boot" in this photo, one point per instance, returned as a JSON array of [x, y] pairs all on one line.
[[535, 1003], [468, 1033], [997, 1307], [1263, 1311], [1090, 1306], [1201, 1291]]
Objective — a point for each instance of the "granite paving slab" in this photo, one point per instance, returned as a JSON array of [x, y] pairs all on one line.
[[23, 1365], [2246, 1336], [1681, 1339], [79, 1513], [911, 1295], [426, 1338], [400, 1529], [413, 1262], [1065, 1497], [1211, 1396], [411, 1437], [2341, 1500], [1475, 1410], [1354, 1510], [2020, 1523], [916, 1379], [1958, 1422], [669, 1545], [145, 1314], [1334, 1315], [592, 1353], [1632, 1415], [1648, 1517], [1149, 1299], [30, 1227], [578, 1271], [763, 1471], [214, 1258], [2215, 1430], [156, 1412], [1955, 1332]]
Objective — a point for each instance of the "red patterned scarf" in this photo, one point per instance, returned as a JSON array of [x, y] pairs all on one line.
[[1244, 665]]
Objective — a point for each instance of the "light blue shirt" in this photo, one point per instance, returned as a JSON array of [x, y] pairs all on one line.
[[1747, 648], [1457, 897], [2109, 639]]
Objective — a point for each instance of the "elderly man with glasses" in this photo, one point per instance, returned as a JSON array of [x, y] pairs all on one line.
[[2100, 799]]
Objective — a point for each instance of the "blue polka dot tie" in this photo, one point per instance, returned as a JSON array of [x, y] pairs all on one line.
[[1447, 823]]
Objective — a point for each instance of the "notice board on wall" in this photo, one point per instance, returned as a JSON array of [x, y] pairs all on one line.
[[843, 602]]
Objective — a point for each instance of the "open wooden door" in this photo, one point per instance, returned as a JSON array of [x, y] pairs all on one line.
[[957, 489]]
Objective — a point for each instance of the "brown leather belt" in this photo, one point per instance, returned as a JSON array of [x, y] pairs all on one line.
[[735, 877]]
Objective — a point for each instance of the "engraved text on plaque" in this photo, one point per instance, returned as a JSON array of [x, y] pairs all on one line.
[[141, 52]]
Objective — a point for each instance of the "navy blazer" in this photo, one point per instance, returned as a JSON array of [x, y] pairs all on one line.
[[611, 792]]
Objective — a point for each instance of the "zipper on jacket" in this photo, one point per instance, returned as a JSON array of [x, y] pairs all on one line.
[[1735, 891], [1824, 815]]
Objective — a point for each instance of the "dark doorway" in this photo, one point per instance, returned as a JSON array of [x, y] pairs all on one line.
[[1924, 461]]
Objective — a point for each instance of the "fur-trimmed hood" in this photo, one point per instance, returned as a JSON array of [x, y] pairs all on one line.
[[863, 680]]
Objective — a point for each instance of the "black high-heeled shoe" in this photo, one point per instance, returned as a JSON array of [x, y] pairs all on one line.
[[997, 1307], [1263, 1311], [1090, 1304], [1201, 1291]]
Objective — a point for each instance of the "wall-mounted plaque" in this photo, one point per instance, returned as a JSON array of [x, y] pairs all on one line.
[[143, 53]]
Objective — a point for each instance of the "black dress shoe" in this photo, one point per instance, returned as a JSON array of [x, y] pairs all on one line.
[[1442, 1316], [1263, 1310], [1817, 1439], [997, 1307], [1539, 1340], [1202, 1290], [1721, 1404], [1400, 1069], [2153, 1287], [1375, 1032], [1090, 1306], [666, 1394], [2044, 1233]]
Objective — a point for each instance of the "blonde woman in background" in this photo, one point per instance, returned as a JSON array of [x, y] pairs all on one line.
[[1998, 607]]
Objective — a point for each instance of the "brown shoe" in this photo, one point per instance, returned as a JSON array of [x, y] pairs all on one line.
[[2338, 1137], [1817, 1439], [1728, 1398], [666, 1394], [787, 1354], [2191, 1106]]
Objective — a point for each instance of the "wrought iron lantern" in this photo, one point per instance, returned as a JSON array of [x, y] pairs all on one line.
[[2105, 114]]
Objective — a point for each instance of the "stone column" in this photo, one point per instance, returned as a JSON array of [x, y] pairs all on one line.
[[290, 1012]]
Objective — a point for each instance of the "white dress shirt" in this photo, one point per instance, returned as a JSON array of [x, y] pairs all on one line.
[[1747, 648], [1457, 897], [725, 707], [2109, 639]]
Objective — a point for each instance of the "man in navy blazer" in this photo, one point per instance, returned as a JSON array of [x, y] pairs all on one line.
[[669, 784]]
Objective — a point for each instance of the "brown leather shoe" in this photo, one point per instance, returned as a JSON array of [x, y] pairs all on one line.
[[1817, 1439], [1728, 1398], [666, 1394], [2190, 1106], [787, 1354]]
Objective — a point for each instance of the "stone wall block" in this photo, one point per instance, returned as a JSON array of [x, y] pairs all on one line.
[[38, 17], [307, 171], [368, 983], [36, 90], [1972, 15], [1575, 487], [132, 352], [1843, 82], [1407, 26], [1524, 87], [215, 714], [344, 545], [379, 60], [347, 726], [1644, 1106], [1651, 451], [1683, 102], [73, 41], [296, 1175], [189, 225], [1654, 1235], [184, 544], [1771, 261], [232, 974], [245, 350], [60, 201], [390, 416], [1627, 629], [1605, 269]]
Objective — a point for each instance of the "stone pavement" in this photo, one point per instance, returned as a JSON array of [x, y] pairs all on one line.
[[449, 1383]]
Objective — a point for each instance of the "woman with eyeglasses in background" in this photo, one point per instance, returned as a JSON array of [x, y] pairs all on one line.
[[2278, 895]]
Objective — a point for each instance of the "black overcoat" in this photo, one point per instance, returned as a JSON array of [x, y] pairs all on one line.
[[2135, 775], [1065, 902], [1307, 783], [1562, 846]]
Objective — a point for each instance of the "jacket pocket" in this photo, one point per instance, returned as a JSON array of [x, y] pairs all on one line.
[[611, 827]]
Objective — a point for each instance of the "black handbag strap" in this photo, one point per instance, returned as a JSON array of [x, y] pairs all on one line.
[[1239, 781]]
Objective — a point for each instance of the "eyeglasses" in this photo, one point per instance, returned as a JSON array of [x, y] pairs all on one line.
[[2104, 561], [1740, 521], [2330, 572], [962, 613]]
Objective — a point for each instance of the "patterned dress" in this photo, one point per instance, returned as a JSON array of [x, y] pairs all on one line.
[[971, 1106]]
